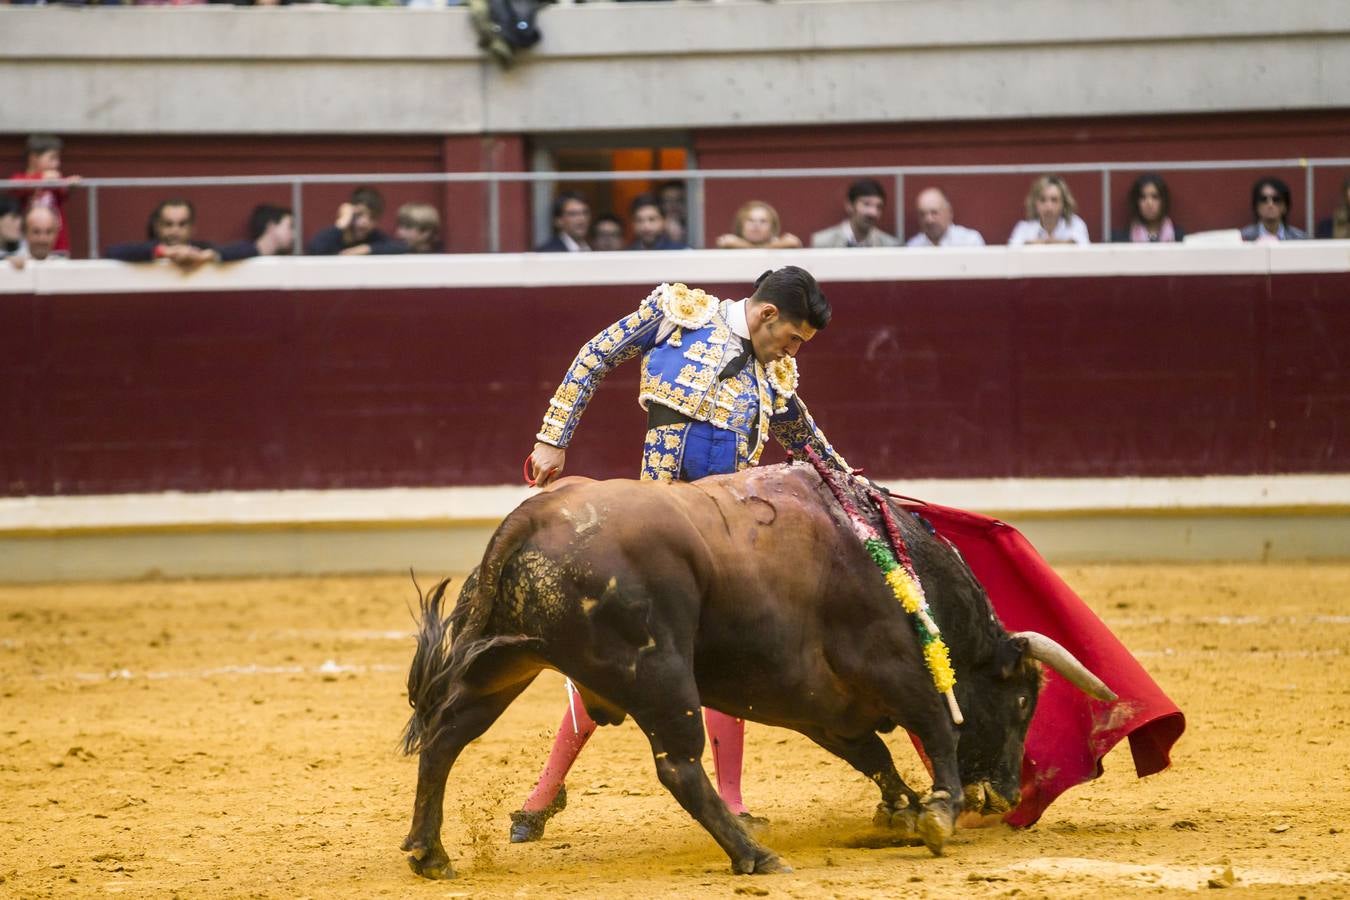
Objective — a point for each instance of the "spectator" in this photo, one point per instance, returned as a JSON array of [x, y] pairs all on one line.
[[170, 237], [607, 233], [936, 228], [1051, 216], [271, 232], [1338, 226], [419, 226], [44, 164], [41, 228], [866, 202], [1150, 223], [757, 226], [649, 225], [41, 225], [356, 231], [11, 226], [1270, 207], [674, 206], [571, 223]]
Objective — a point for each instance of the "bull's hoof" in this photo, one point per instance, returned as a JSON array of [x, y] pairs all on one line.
[[428, 862], [764, 863], [903, 819], [529, 826], [441, 871], [935, 828]]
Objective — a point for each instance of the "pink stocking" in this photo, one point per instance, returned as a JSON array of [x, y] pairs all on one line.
[[566, 748], [727, 735]]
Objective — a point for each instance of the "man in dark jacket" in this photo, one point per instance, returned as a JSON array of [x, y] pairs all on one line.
[[571, 223], [649, 226], [356, 231], [271, 232], [169, 233]]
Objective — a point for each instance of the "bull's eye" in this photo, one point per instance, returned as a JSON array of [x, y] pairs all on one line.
[[1022, 704]]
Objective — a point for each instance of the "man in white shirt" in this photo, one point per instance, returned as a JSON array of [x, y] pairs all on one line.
[[41, 225], [936, 228]]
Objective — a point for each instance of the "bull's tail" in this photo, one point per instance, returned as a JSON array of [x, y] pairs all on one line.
[[448, 644]]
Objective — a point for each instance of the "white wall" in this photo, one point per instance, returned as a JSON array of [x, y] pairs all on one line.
[[603, 66], [325, 273]]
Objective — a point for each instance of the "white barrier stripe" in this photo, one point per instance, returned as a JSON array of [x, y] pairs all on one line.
[[1142, 621], [327, 669], [307, 634], [1170, 652], [334, 669], [401, 636], [489, 504], [572, 272]]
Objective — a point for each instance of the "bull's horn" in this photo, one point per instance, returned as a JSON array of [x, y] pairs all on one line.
[[1065, 663]]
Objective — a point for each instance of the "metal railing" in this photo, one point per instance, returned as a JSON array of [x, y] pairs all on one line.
[[695, 180]]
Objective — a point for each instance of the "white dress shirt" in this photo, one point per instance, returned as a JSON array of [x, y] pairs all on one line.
[[736, 318], [954, 236], [1029, 230]]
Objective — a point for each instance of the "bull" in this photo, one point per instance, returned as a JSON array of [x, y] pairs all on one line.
[[748, 593]]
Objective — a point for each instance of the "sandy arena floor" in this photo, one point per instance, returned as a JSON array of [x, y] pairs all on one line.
[[238, 738]]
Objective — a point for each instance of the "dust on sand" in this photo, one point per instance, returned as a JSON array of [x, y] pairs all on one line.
[[238, 738]]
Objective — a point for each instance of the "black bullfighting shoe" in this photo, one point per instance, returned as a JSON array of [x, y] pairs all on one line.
[[529, 826]]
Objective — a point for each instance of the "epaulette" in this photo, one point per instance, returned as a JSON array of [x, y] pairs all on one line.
[[685, 306]]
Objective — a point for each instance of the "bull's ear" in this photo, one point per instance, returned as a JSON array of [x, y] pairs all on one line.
[[1011, 652]]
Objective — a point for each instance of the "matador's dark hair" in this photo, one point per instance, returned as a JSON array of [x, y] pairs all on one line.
[[796, 294]]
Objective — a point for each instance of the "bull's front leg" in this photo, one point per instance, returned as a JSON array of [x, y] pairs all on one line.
[[937, 820], [899, 806]]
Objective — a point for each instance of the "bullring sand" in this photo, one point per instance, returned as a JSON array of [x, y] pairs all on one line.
[[239, 738]]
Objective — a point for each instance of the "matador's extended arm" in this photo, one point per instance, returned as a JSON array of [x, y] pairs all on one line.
[[629, 337]]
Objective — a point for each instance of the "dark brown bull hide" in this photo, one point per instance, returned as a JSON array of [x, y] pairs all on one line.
[[748, 593]]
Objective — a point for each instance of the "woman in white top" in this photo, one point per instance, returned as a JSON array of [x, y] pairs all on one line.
[[1051, 216]]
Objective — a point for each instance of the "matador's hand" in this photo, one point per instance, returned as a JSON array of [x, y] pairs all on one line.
[[546, 463]]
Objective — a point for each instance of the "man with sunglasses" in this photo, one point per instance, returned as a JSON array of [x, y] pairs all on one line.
[[1270, 207]]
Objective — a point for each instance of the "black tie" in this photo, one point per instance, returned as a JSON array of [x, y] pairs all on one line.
[[736, 363]]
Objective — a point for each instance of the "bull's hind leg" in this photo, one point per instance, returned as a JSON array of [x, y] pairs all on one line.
[[899, 806], [466, 720], [670, 719]]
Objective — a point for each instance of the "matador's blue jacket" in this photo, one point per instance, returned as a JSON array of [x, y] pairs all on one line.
[[685, 341]]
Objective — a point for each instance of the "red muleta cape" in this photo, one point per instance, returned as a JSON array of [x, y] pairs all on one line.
[[1070, 732]]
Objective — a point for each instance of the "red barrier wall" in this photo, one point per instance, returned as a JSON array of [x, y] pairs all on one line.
[[1195, 375]]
